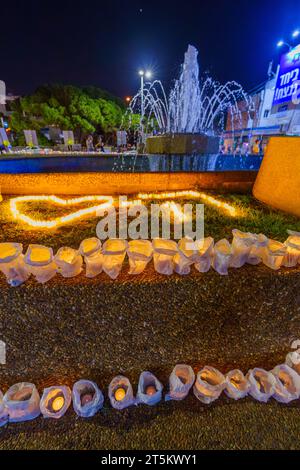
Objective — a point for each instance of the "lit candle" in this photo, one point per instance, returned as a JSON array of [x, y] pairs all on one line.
[[236, 382], [120, 394], [85, 399], [58, 403], [151, 390]]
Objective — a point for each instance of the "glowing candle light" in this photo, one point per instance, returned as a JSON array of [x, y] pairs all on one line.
[[120, 394], [151, 390], [236, 382], [191, 194], [169, 195], [17, 214], [179, 216], [58, 403], [107, 202], [222, 205], [87, 398]]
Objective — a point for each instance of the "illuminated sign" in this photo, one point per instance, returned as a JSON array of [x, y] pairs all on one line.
[[288, 80]]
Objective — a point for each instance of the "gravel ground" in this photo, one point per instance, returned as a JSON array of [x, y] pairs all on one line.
[[82, 328]]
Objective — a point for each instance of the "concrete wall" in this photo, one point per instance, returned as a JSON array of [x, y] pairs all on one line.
[[278, 180], [123, 183]]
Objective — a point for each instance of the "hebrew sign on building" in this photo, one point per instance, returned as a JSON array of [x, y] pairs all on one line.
[[288, 80]]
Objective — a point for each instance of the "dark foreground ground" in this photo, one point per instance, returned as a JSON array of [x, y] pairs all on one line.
[[81, 328]]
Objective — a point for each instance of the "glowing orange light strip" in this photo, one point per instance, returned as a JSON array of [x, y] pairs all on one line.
[[177, 212], [62, 202], [233, 212], [168, 195], [222, 205]]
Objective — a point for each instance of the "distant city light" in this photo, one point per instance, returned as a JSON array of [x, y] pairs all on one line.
[[280, 43], [296, 33]]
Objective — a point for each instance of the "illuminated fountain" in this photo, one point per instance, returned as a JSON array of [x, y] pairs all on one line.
[[192, 118], [181, 132], [156, 106]]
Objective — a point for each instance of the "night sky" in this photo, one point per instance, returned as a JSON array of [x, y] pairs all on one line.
[[105, 43]]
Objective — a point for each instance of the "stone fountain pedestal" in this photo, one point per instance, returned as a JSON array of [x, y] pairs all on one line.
[[180, 144]]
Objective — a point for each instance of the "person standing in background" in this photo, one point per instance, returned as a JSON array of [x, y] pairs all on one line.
[[89, 143], [99, 145]]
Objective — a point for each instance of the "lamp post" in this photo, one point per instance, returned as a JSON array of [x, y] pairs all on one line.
[[143, 74], [284, 43], [295, 35]]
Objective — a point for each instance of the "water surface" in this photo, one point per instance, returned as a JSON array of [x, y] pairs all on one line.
[[128, 163]]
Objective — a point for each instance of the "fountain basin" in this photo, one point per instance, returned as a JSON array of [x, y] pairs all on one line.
[[182, 144], [125, 174]]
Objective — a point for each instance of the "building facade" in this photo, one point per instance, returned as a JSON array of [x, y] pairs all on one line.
[[276, 109]]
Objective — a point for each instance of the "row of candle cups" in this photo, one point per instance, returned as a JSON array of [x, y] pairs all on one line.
[[168, 256], [22, 401]]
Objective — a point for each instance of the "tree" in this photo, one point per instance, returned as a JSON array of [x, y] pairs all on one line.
[[84, 111]]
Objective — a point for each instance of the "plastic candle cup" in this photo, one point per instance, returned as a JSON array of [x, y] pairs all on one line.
[[259, 385], [68, 255], [120, 394], [22, 395], [235, 382], [182, 379], [89, 246]]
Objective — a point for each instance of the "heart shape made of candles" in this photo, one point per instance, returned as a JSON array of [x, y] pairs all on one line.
[[107, 202]]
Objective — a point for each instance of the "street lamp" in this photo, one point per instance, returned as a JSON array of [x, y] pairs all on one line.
[[142, 74], [296, 33], [283, 43]]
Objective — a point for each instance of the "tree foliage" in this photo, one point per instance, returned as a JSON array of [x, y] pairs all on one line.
[[83, 110]]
